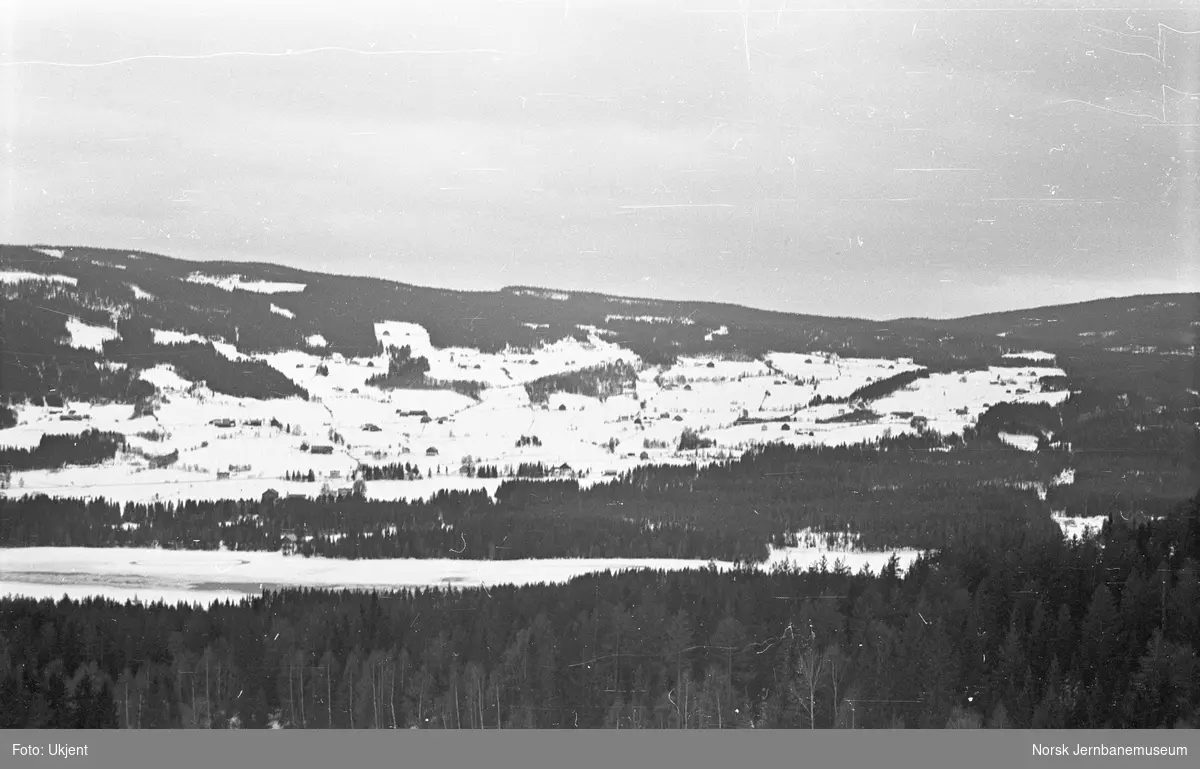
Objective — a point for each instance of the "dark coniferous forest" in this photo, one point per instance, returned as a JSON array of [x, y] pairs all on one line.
[[1021, 631]]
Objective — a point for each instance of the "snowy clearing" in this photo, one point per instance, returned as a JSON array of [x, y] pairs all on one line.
[[177, 337], [1031, 355], [1020, 441], [282, 311], [85, 336], [1079, 527]]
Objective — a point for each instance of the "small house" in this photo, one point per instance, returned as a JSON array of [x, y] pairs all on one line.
[[222, 475], [321, 450], [431, 452], [372, 428], [223, 422], [426, 419], [254, 423], [270, 496], [335, 473], [288, 540]]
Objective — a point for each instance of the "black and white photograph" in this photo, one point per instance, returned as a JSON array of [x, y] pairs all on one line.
[[485, 365]]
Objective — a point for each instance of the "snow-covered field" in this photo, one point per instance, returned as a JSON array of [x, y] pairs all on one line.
[[255, 443], [204, 576]]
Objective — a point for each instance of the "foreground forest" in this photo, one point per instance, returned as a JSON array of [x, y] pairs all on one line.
[[1018, 630]]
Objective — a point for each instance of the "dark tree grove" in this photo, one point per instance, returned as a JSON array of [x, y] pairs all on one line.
[[90, 447], [1012, 632]]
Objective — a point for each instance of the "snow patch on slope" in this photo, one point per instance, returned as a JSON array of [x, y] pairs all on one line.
[[1020, 441], [177, 337], [22, 276], [85, 336], [236, 283]]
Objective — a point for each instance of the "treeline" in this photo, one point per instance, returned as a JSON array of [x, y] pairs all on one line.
[[408, 372], [1032, 418], [389, 472], [1003, 632], [91, 447], [246, 378], [404, 370], [885, 387], [600, 382]]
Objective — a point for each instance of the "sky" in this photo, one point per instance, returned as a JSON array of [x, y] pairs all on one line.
[[895, 158]]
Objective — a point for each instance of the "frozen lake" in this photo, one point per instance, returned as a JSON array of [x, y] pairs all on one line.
[[203, 576]]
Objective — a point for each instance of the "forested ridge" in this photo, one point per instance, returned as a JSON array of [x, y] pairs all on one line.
[[1018, 630], [1145, 339]]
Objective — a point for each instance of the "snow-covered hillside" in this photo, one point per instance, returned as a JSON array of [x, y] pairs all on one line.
[[202, 444]]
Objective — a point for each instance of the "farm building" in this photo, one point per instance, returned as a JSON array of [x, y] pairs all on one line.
[[321, 449], [431, 452]]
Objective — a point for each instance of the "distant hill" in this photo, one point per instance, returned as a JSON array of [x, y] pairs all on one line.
[[71, 312]]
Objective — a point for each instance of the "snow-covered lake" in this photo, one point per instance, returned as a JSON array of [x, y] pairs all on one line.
[[203, 576]]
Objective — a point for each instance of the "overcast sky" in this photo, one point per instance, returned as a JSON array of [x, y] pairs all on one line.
[[801, 156]]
